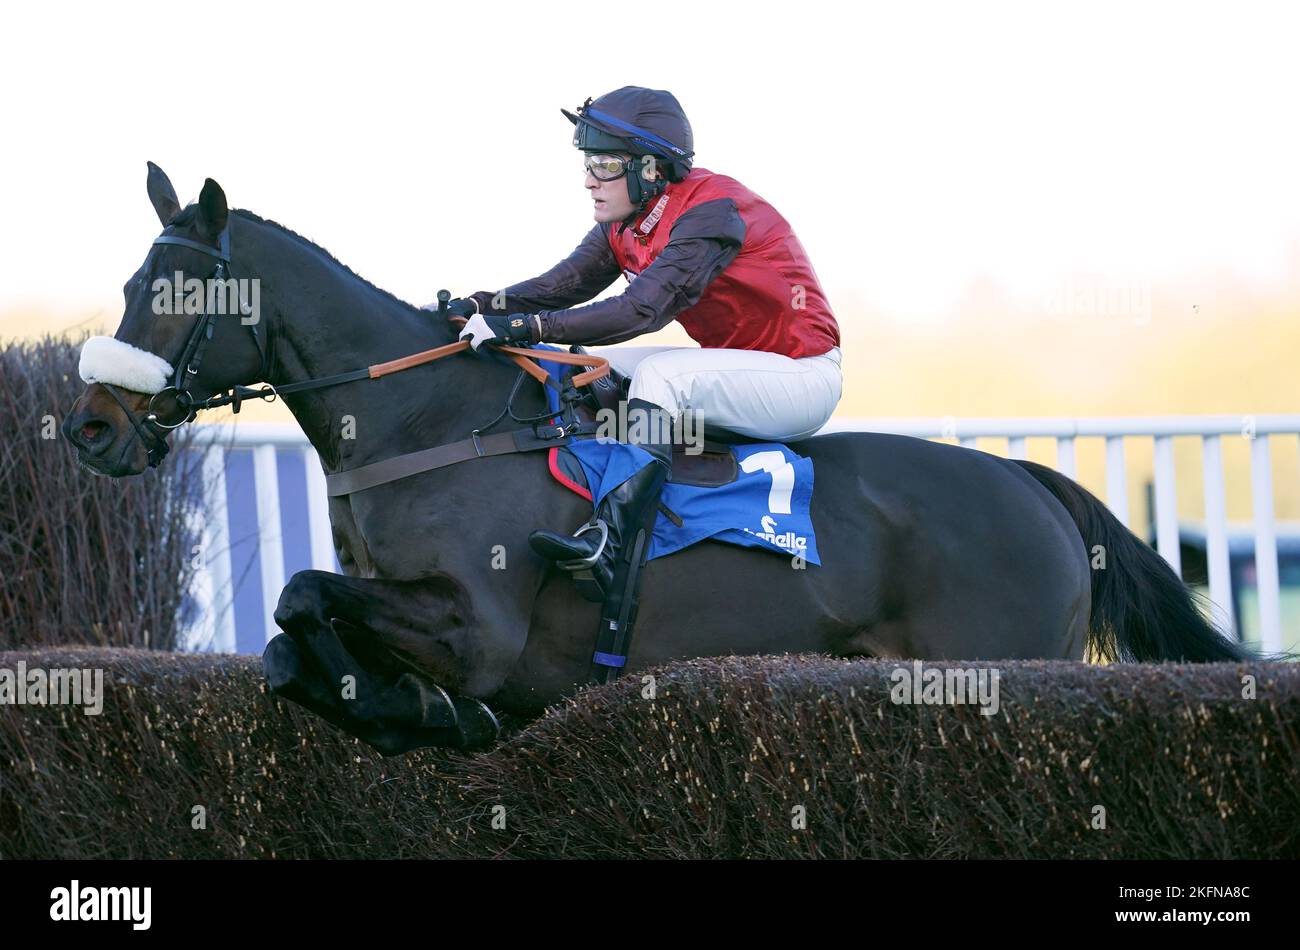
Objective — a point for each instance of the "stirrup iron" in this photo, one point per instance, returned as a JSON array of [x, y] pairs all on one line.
[[585, 563]]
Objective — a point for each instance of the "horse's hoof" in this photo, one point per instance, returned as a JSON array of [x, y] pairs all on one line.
[[476, 725], [282, 663], [437, 711]]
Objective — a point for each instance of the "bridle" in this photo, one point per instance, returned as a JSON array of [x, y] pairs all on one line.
[[150, 428], [187, 367], [153, 432]]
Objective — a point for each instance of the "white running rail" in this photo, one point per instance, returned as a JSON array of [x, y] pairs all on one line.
[[217, 625]]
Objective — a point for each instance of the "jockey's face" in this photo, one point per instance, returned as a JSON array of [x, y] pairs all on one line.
[[610, 197]]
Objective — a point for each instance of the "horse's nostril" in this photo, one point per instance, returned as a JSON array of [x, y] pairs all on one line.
[[92, 431]]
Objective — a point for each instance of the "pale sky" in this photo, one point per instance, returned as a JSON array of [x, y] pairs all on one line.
[[916, 148]]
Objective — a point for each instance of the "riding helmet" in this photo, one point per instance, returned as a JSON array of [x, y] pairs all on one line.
[[641, 122]]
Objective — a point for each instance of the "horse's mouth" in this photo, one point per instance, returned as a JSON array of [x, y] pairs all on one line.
[[92, 465], [97, 464], [108, 470]]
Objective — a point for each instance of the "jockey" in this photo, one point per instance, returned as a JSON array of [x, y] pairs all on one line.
[[694, 246]]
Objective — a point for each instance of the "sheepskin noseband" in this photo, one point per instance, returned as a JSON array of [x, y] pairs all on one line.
[[108, 360]]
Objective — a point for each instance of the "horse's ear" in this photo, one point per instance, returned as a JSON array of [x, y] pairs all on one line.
[[212, 208], [162, 195]]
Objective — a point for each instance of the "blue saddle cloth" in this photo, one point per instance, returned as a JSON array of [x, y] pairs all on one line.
[[767, 506]]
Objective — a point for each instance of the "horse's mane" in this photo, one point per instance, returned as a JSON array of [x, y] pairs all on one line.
[[187, 215]]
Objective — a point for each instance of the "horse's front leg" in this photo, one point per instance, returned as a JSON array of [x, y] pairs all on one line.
[[400, 642], [392, 713]]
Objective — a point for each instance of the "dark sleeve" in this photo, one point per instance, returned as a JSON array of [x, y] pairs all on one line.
[[576, 279], [703, 242]]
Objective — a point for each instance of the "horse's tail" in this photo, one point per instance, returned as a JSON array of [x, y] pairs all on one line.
[[1141, 610]]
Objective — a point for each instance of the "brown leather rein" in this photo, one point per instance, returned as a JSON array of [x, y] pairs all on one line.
[[524, 358], [477, 445]]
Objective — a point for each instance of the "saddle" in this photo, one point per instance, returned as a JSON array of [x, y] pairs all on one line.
[[713, 466]]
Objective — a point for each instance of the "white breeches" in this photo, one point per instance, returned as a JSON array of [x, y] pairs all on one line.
[[750, 392]]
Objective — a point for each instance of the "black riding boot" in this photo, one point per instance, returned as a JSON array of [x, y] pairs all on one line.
[[592, 553]]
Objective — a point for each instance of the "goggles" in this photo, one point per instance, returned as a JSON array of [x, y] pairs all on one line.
[[606, 167]]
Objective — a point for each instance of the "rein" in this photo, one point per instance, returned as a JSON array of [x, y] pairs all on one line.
[[152, 432]]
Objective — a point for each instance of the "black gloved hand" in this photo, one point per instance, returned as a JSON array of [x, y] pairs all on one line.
[[512, 330], [460, 307]]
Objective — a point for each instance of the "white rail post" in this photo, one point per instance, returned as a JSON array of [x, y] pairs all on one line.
[[198, 636], [217, 561], [321, 536], [1065, 456], [270, 547], [1266, 578], [1016, 447], [1216, 533], [1167, 504], [1116, 479]]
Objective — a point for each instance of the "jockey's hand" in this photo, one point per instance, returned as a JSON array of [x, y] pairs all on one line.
[[511, 330], [460, 307]]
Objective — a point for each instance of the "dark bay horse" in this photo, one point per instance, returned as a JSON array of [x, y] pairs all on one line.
[[928, 550]]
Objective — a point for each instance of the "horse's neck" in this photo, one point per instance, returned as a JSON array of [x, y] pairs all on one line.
[[325, 320]]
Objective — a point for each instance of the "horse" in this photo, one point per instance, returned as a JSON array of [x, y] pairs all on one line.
[[445, 617]]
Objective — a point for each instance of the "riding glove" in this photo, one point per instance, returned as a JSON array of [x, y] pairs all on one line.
[[517, 329], [460, 307]]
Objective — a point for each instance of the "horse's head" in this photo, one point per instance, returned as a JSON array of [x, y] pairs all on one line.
[[185, 335]]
